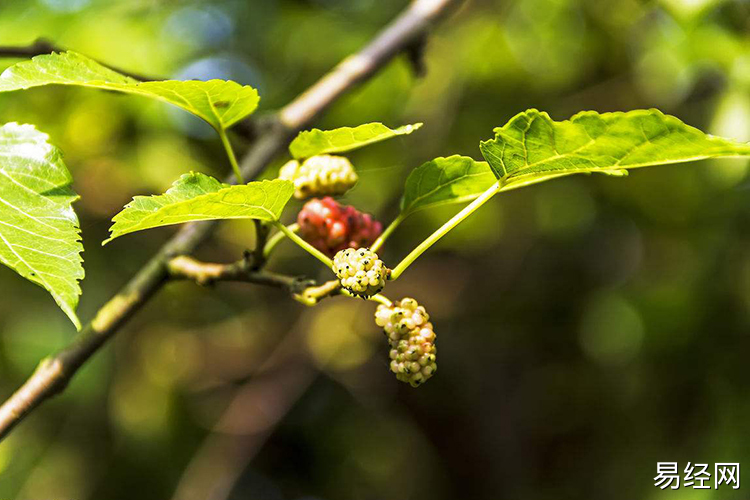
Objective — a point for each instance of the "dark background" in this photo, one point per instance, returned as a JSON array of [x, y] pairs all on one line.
[[588, 327]]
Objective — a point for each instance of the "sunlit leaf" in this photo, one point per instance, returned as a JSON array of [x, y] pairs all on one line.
[[317, 142], [221, 103], [455, 179], [531, 143], [196, 196], [39, 235]]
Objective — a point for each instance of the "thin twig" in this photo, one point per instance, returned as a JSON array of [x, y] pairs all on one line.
[[53, 374], [39, 47], [261, 238], [314, 294], [209, 273]]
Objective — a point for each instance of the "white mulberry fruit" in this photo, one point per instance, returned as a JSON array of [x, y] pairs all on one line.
[[411, 338], [360, 271], [319, 176]]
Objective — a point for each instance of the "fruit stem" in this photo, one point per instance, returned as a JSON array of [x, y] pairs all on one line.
[[443, 230], [381, 299], [378, 297], [276, 238], [305, 245], [392, 227], [230, 153]]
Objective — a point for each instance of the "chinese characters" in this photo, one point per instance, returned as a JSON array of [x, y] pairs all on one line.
[[697, 476]]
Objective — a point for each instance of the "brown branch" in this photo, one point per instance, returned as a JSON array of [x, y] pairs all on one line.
[[37, 48], [42, 46], [261, 238], [308, 292], [314, 294], [208, 273], [53, 374]]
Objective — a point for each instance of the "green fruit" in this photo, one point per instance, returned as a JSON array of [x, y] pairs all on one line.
[[319, 176]]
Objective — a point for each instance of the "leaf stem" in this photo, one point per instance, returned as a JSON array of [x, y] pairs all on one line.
[[392, 227], [443, 230], [305, 245], [230, 154], [505, 187], [276, 239]]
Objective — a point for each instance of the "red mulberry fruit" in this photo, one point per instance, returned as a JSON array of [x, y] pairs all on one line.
[[330, 227]]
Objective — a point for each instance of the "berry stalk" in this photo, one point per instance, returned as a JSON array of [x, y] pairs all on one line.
[[276, 239], [305, 245], [391, 227], [381, 299], [378, 297]]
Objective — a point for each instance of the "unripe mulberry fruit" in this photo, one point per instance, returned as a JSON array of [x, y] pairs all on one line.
[[330, 227], [319, 176], [411, 338], [360, 271]]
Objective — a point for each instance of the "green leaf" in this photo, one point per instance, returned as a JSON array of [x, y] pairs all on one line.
[[317, 142], [197, 197], [532, 144], [39, 235], [455, 179], [220, 103]]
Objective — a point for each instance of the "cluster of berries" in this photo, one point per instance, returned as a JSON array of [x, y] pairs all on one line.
[[319, 176], [336, 230], [360, 271], [330, 226], [411, 339], [345, 233]]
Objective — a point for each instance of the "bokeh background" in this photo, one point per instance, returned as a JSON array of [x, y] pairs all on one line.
[[587, 327]]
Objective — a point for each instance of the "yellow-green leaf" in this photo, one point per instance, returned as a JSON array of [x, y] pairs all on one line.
[[195, 197], [221, 103], [441, 181], [39, 235], [317, 142], [532, 144]]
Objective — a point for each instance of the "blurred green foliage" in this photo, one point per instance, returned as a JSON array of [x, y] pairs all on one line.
[[587, 328]]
